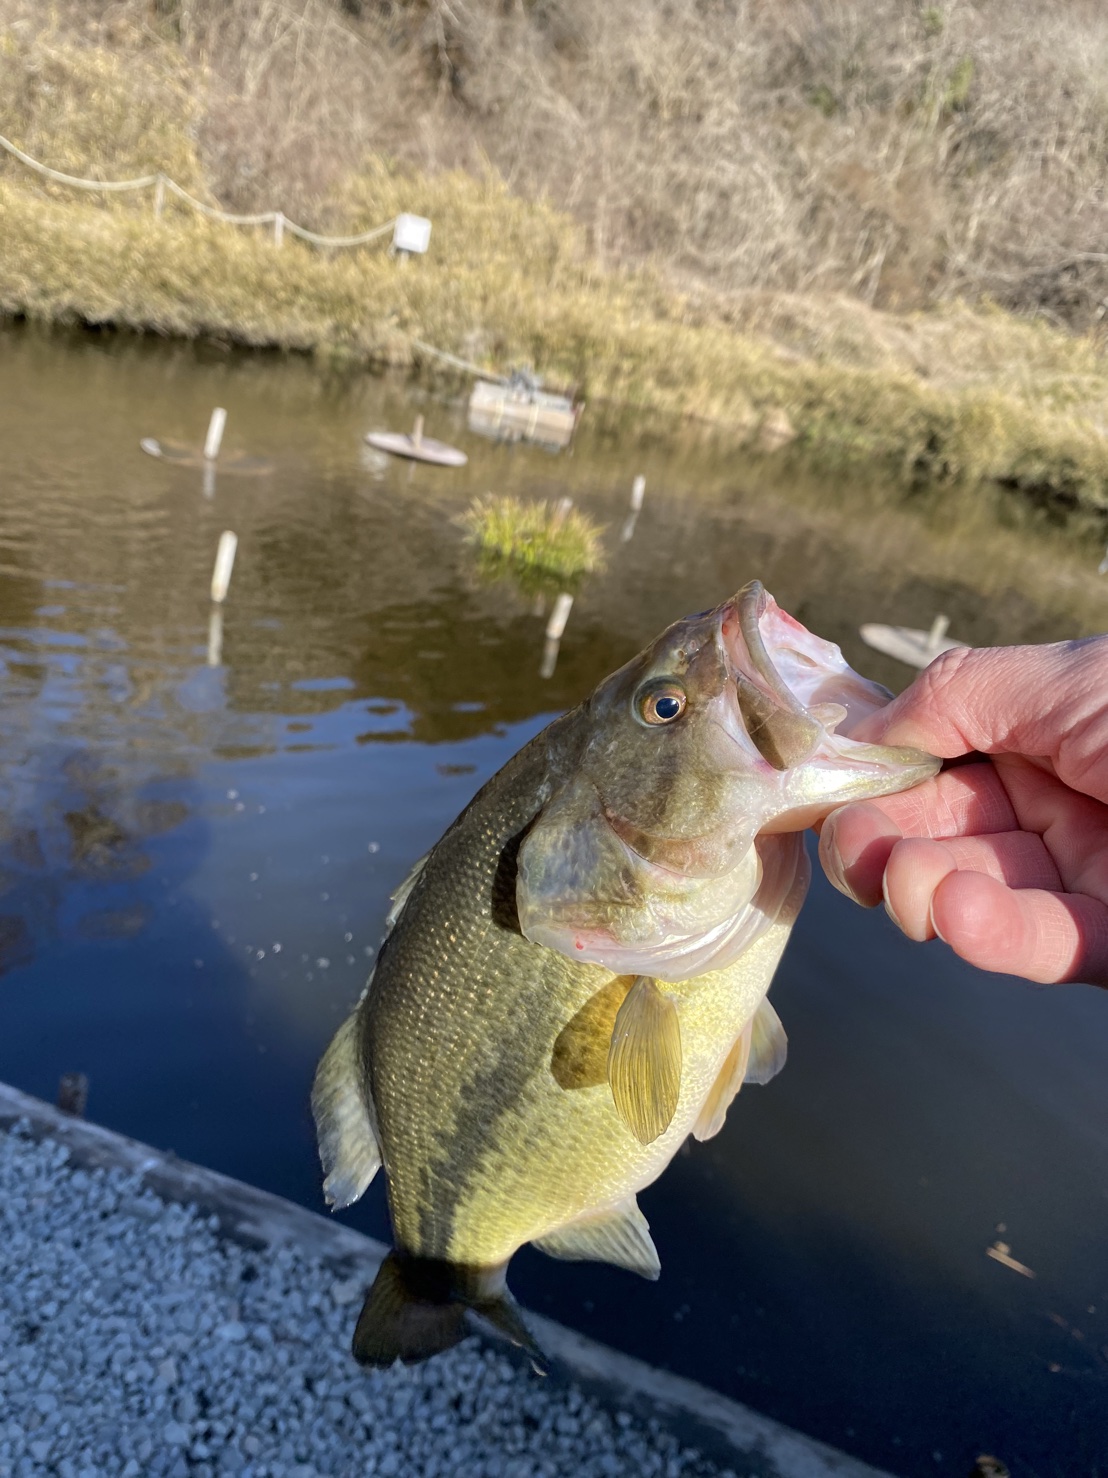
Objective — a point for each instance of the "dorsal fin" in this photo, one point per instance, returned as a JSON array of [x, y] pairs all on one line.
[[721, 1095], [347, 1144], [620, 1235], [768, 1045], [644, 1061]]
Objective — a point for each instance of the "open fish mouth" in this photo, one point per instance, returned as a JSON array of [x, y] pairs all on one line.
[[799, 699]]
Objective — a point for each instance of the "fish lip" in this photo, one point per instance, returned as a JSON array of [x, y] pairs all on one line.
[[827, 679], [739, 634], [749, 605], [833, 684]]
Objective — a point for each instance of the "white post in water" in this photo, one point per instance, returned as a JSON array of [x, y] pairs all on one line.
[[558, 518], [638, 492], [555, 629], [417, 433], [214, 438], [278, 228], [159, 194], [224, 564], [937, 632], [215, 637]]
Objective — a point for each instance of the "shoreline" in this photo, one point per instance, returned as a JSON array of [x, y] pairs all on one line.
[[683, 1415], [1015, 415]]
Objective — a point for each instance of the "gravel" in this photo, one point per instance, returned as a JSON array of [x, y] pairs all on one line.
[[136, 1342]]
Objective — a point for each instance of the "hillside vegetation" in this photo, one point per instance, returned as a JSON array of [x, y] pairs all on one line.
[[830, 209]]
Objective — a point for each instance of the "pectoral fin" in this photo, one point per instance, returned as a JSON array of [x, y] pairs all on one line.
[[347, 1145], [620, 1236], [644, 1061], [722, 1093], [768, 1045]]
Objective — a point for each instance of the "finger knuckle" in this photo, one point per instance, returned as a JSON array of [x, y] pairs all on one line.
[[946, 670]]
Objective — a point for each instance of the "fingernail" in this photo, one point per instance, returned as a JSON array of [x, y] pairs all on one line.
[[934, 925], [889, 909], [831, 858]]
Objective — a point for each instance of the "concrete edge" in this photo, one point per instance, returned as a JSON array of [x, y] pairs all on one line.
[[723, 1429]]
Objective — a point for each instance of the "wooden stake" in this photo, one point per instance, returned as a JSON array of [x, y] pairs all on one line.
[[224, 564], [214, 439], [555, 627], [937, 632], [561, 513], [73, 1094], [215, 637]]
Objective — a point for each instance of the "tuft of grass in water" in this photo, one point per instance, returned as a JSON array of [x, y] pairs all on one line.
[[535, 542]]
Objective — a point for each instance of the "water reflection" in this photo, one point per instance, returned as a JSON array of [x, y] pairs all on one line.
[[202, 820]]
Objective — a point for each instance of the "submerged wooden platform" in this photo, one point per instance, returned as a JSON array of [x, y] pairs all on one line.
[[726, 1431], [510, 412]]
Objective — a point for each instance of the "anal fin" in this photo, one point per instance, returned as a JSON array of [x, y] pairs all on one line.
[[347, 1144], [644, 1061], [620, 1235]]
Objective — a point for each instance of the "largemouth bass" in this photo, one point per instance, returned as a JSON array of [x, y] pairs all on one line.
[[574, 978]]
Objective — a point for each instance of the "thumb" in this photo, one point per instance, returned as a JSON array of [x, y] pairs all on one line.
[[1004, 700]]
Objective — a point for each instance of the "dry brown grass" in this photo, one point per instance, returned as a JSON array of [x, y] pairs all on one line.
[[900, 152], [705, 207]]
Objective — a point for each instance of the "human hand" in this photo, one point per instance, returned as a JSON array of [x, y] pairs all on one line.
[[1005, 857]]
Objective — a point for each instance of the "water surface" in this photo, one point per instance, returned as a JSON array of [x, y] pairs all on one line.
[[200, 826]]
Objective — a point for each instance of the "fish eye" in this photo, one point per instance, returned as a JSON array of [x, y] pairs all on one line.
[[660, 703]]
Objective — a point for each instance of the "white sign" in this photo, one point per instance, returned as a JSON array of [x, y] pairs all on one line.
[[411, 233]]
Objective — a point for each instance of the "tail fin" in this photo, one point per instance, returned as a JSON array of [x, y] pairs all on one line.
[[417, 1308]]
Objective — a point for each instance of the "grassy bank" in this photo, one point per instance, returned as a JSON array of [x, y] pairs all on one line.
[[953, 395], [711, 215]]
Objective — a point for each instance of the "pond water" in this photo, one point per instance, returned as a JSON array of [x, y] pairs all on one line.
[[199, 830]]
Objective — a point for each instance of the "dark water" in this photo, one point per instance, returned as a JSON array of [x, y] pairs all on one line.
[[195, 860]]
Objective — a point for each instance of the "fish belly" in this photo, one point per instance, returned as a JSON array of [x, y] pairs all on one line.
[[565, 1154]]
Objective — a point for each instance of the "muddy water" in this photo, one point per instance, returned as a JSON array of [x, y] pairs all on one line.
[[199, 829]]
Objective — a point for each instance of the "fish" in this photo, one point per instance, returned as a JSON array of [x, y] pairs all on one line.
[[574, 979]]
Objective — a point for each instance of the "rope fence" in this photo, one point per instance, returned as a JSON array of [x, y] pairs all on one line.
[[161, 182], [465, 364]]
